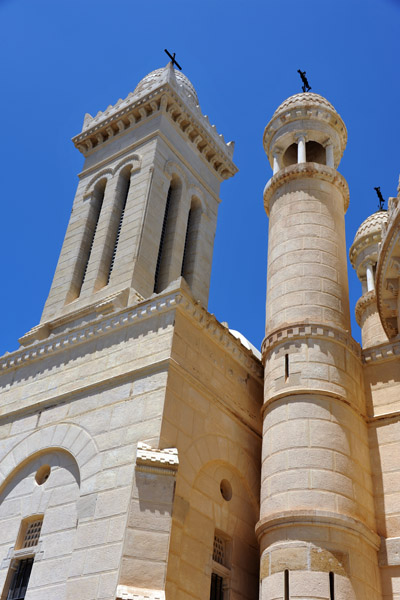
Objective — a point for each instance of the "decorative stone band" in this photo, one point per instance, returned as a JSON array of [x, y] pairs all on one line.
[[125, 592], [154, 460], [316, 518], [308, 330], [108, 305], [302, 556], [382, 353], [101, 326], [194, 125], [362, 304], [294, 391], [388, 271], [310, 170]]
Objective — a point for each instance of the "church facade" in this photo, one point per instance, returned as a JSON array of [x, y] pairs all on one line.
[[147, 451]]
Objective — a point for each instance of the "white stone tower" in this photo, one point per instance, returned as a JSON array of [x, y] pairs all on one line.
[[146, 205], [317, 524], [364, 257]]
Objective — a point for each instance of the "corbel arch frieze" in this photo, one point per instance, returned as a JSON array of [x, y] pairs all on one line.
[[67, 437]]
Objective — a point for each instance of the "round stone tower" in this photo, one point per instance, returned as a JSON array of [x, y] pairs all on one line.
[[317, 526], [363, 257]]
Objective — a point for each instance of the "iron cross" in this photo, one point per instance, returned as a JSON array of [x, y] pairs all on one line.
[[305, 87], [172, 57], [381, 198]]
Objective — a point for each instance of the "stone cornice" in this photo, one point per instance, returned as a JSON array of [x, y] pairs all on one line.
[[310, 170], [362, 304], [382, 353], [388, 271], [294, 391], [190, 120], [154, 460], [308, 330], [125, 592], [103, 325], [317, 518]]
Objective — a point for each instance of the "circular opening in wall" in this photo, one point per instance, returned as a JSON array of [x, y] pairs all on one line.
[[42, 474], [226, 489]]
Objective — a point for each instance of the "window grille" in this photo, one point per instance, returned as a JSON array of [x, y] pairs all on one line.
[[185, 251], [96, 216], [32, 534], [216, 592], [121, 218], [20, 580], [219, 554], [162, 240]]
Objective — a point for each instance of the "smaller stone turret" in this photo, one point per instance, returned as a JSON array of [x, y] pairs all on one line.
[[363, 257]]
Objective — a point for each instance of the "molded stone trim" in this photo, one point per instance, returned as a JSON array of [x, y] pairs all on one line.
[[310, 170], [381, 353], [101, 326], [362, 304], [317, 518], [125, 592], [217, 448], [64, 436], [104, 173], [194, 125], [307, 330], [135, 160], [163, 461]]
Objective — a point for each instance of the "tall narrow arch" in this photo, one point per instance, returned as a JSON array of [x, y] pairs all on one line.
[[191, 241], [168, 231], [117, 217], [96, 203]]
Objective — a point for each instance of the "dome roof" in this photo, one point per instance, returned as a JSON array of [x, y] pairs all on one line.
[[372, 225], [303, 99], [159, 76]]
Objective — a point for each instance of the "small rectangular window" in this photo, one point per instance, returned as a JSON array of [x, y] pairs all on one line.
[[219, 551], [287, 584], [331, 586], [286, 367], [32, 534]]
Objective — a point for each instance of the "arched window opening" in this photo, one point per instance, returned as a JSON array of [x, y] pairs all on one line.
[[290, 156], [161, 277], [315, 153], [91, 228], [118, 217], [191, 241]]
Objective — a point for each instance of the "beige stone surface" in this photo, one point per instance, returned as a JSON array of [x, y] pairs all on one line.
[[172, 452]]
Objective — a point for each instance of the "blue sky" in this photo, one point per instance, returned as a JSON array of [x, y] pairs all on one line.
[[63, 58]]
